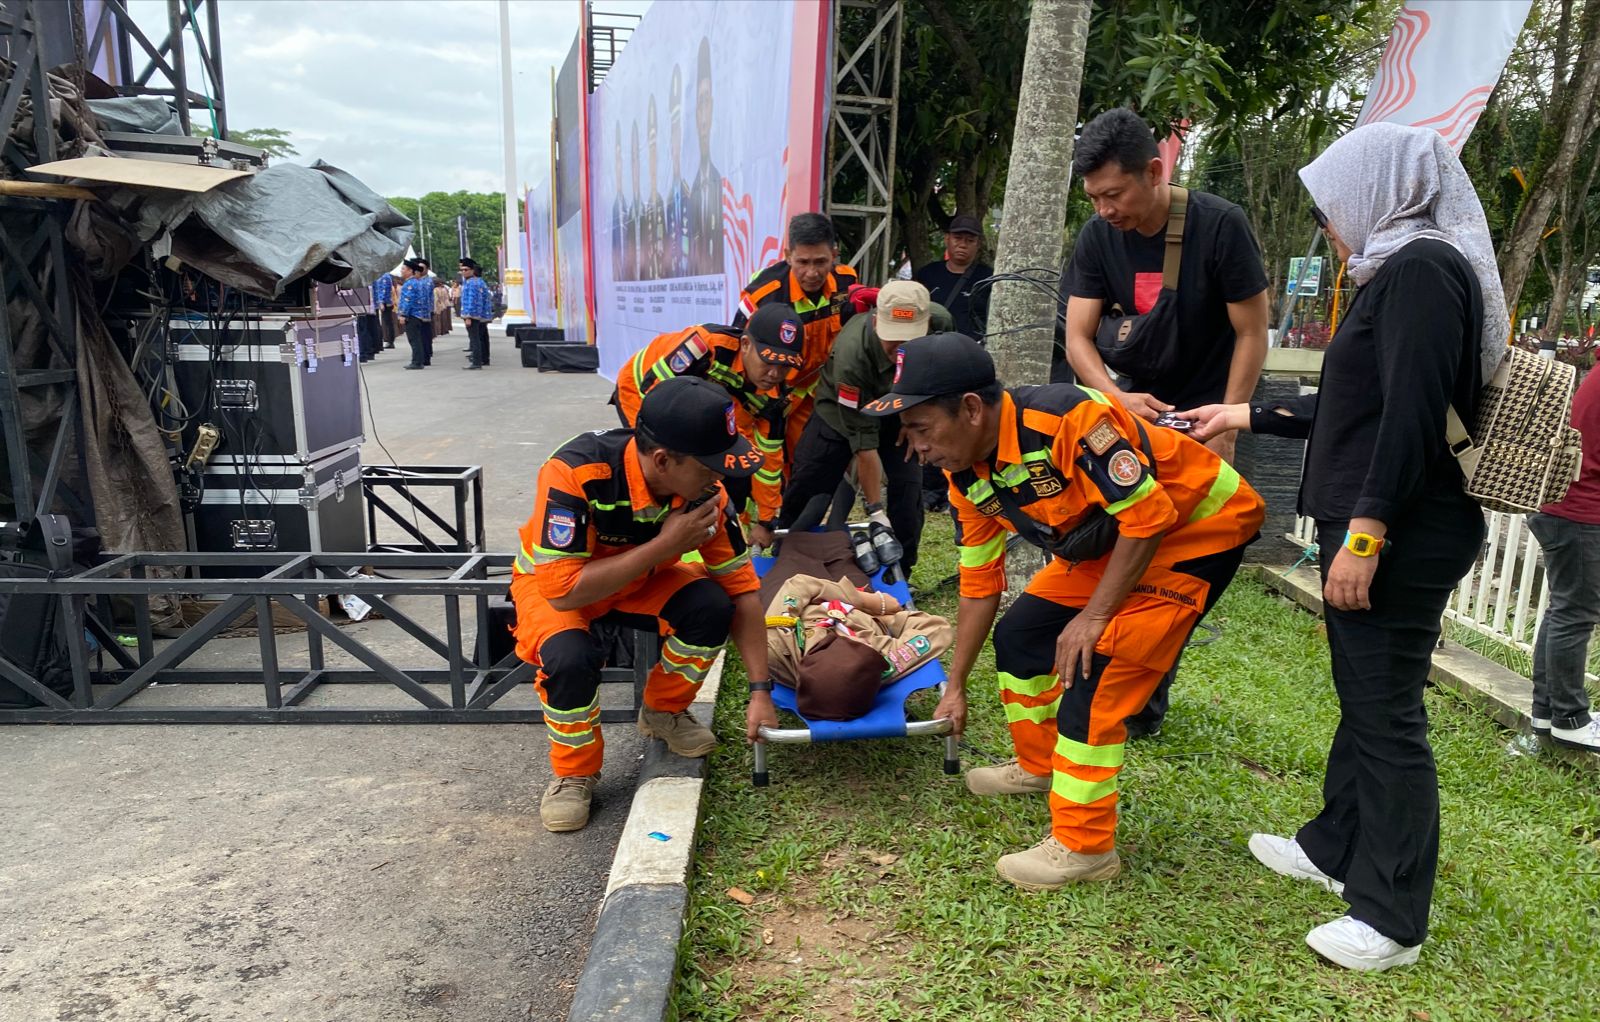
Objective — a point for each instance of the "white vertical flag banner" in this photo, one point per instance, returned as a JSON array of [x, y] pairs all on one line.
[[1441, 63]]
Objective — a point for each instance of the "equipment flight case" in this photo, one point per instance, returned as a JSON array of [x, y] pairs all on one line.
[[250, 507], [272, 385]]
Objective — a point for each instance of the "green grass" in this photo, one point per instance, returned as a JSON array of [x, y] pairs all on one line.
[[1193, 929]]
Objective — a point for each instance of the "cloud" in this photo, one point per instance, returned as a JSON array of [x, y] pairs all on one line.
[[405, 94]]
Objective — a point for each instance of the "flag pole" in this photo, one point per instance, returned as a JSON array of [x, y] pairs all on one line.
[[512, 283]]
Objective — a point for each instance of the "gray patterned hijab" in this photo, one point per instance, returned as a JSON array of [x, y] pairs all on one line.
[[1383, 186]]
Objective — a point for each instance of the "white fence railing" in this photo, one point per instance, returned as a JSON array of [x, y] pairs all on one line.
[[1504, 594]]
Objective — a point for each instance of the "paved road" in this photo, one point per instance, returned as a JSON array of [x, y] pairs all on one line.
[[317, 873]]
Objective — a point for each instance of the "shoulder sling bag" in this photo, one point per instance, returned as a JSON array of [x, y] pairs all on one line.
[[1145, 345]]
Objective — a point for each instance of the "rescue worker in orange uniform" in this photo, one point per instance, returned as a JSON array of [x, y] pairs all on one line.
[[810, 280], [615, 512], [1145, 527], [749, 366]]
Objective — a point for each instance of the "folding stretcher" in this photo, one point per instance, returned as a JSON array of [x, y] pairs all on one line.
[[886, 719]]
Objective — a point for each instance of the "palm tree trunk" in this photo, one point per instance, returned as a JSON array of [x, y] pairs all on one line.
[[1022, 318]]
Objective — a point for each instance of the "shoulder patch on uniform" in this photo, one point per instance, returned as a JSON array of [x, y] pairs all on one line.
[[1124, 468], [1102, 437], [560, 528], [687, 354], [849, 396]]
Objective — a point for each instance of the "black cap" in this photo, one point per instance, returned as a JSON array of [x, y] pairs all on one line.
[[778, 335], [965, 223], [688, 415], [469, 263], [934, 366], [417, 264]]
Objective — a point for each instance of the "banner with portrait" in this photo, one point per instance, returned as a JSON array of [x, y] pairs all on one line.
[[688, 162], [541, 255]]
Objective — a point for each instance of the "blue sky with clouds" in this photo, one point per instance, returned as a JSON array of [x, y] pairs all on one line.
[[405, 94]]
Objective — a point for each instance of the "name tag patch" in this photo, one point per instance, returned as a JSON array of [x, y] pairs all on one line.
[[1102, 437]]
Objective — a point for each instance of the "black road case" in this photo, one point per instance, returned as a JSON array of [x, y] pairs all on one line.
[[272, 385], [248, 506]]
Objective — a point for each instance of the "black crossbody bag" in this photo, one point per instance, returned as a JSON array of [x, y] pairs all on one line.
[[1146, 345]]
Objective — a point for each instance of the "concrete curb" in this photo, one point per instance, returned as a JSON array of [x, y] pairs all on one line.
[[1498, 691], [633, 958]]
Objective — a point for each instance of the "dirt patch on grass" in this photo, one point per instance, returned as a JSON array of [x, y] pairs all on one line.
[[820, 958]]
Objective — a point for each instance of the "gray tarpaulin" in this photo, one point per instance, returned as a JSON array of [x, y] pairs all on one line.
[[262, 232], [136, 113]]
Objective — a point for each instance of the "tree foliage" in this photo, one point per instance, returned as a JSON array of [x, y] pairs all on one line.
[[436, 230], [273, 141], [1172, 60]]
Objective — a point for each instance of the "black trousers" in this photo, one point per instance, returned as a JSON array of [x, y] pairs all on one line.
[[369, 336], [821, 459], [1378, 831], [478, 342], [386, 321], [419, 334]]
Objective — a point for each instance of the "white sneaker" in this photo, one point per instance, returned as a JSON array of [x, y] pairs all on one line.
[[1586, 737], [1284, 855], [1349, 942]]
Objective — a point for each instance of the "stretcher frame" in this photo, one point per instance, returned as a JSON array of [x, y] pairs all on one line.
[[869, 725]]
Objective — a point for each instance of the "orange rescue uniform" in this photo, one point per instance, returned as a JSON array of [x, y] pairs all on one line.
[[712, 352], [592, 502], [823, 316], [1068, 456]]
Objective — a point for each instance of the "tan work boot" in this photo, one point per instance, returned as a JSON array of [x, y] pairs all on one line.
[[683, 734], [565, 805], [1051, 865], [1006, 779]]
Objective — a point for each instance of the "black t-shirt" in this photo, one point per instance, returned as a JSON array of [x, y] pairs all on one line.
[[1406, 351], [1221, 264], [970, 310]]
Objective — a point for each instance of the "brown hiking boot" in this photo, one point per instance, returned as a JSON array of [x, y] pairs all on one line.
[[1006, 779], [565, 805], [683, 734], [1051, 865]]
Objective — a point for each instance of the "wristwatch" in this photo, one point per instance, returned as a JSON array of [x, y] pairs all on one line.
[[1362, 544], [760, 686]]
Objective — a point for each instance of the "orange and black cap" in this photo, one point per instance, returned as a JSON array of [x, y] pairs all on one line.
[[777, 334], [934, 366], [688, 415]]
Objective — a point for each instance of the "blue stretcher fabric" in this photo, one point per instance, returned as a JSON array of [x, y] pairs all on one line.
[[887, 718]]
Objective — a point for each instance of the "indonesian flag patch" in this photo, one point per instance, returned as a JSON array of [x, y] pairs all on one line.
[[849, 397], [747, 306], [687, 354]]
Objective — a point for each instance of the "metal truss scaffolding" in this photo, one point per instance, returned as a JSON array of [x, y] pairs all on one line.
[[116, 46], [36, 36], [452, 684], [33, 268], [861, 139]]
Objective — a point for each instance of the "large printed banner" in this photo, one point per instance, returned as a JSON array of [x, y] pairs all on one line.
[[688, 154], [541, 256], [1441, 63]]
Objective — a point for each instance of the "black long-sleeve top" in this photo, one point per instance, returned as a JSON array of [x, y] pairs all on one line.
[[1407, 350]]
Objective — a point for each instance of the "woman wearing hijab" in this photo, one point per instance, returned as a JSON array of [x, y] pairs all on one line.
[[1395, 527]]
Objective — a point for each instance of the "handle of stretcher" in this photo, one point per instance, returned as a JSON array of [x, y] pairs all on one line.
[[914, 728], [848, 525], [937, 726]]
